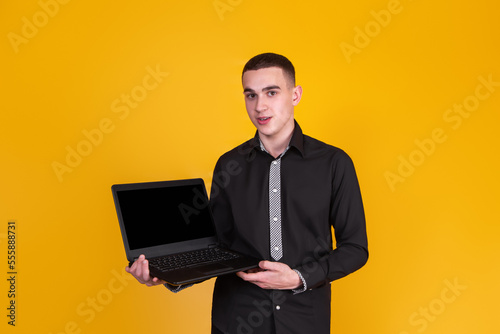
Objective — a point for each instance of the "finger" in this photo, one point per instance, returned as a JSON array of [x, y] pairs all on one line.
[[133, 268], [136, 270], [252, 277], [258, 277], [268, 265], [145, 271], [139, 271], [241, 274], [254, 270], [158, 281], [134, 265]]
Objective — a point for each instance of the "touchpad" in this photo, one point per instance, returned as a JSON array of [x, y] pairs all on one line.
[[213, 268]]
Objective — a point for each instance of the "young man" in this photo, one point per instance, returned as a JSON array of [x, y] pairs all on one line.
[[287, 193]]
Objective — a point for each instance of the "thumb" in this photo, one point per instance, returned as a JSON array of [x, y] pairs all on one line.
[[268, 265]]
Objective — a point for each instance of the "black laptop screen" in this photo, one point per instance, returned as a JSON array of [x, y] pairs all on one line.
[[159, 216]]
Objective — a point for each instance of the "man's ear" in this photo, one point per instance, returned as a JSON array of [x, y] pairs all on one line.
[[297, 95]]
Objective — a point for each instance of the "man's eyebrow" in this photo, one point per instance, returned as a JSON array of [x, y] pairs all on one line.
[[270, 88], [249, 90]]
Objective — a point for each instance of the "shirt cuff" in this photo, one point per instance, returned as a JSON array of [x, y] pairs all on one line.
[[304, 284], [178, 288]]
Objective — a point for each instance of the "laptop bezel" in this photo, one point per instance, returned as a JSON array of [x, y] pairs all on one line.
[[160, 250]]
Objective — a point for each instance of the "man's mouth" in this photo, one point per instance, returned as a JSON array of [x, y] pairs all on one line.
[[263, 120]]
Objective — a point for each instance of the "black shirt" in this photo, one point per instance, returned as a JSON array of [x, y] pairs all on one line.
[[319, 190]]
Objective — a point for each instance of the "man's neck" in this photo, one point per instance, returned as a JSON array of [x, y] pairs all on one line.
[[276, 145]]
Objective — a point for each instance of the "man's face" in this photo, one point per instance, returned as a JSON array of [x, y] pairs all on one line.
[[270, 98]]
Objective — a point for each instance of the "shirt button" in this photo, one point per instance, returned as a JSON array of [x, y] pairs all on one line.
[[275, 219], [275, 190], [278, 307]]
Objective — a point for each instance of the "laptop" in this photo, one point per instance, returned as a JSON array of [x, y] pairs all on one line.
[[171, 223]]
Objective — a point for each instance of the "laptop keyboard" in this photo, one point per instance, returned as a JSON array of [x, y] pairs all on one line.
[[183, 260]]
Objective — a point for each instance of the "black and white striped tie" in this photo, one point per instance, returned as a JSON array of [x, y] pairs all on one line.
[[275, 209], [275, 206]]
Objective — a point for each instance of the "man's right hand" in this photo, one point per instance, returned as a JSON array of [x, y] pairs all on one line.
[[140, 270]]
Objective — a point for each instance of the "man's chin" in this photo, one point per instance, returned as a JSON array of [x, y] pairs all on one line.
[[265, 132]]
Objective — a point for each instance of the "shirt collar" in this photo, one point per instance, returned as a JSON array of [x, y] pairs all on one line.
[[296, 141]]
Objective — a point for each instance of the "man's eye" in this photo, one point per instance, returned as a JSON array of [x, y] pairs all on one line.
[[271, 93], [250, 96]]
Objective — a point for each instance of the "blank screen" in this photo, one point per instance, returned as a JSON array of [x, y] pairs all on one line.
[[159, 216]]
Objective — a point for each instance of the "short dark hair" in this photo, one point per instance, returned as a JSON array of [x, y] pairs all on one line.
[[269, 59]]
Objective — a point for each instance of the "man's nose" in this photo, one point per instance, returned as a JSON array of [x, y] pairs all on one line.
[[260, 105]]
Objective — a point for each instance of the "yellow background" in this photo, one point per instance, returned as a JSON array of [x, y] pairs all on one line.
[[438, 227]]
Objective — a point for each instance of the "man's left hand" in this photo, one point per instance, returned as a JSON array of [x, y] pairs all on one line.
[[272, 275]]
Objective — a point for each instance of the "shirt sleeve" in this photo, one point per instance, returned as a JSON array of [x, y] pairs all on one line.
[[304, 283], [348, 221], [221, 208]]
